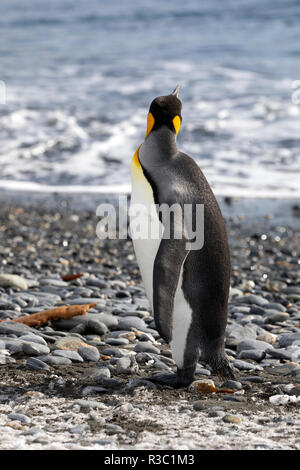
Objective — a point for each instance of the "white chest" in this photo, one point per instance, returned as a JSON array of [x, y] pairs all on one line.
[[145, 228]]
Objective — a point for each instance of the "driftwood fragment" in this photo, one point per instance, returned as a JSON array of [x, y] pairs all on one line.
[[71, 277], [67, 311]]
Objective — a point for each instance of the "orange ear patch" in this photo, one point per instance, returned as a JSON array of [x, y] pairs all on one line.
[[176, 123], [150, 123]]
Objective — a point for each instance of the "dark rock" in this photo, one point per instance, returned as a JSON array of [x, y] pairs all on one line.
[[36, 364], [89, 354]]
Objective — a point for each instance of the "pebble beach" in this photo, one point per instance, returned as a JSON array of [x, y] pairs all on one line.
[[83, 382]]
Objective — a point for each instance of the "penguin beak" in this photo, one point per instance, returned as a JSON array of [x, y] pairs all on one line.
[[176, 91]]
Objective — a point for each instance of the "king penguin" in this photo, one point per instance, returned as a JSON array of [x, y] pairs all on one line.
[[187, 289]]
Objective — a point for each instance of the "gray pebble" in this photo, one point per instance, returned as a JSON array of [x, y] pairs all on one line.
[[117, 341], [147, 347], [160, 365], [53, 282], [114, 429], [88, 405], [240, 309], [232, 384], [253, 354], [199, 406], [118, 333], [127, 323], [235, 333], [284, 369], [97, 322], [7, 305], [55, 360], [84, 300], [10, 327], [275, 306], [112, 352], [4, 359], [35, 349], [32, 338], [80, 328], [280, 354], [252, 344], [13, 345], [273, 316], [143, 358], [19, 417], [126, 365], [78, 429], [72, 355], [102, 442], [97, 326], [97, 283], [32, 431], [118, 283], [36, 364], [257, 311], [200, 370], [286, 339], [252, 299], [243, 365], [216, 413], [291, 290], [166, 360], [89, 354]]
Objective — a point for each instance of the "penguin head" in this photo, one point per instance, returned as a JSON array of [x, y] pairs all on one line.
[[165, 111]]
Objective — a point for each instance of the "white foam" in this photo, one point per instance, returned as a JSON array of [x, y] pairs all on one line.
[[31, 186], [244, 139]]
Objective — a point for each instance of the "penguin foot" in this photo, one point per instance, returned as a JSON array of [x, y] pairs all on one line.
[[165, 379], [175, 380]]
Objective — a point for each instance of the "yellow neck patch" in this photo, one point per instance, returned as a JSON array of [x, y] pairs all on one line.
[[135, 159], [150, 124], [176, 123]]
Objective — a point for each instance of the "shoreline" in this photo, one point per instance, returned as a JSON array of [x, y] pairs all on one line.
[[248, 210]]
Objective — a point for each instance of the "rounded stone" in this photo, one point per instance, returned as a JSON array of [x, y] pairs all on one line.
[[117, 341], [199, 406], [14, 328], [253, 354], [19, 417], [89, 354], [35, 349], [252, 344], [55, 360], [36, 364], [32, 338], [232, 419], [69, 343], [126, 323], [232, 385], [147, 347], [243, 365], [72, 355], [13, 280]]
